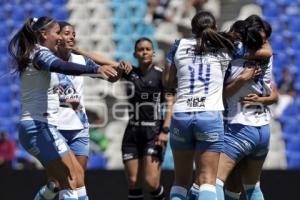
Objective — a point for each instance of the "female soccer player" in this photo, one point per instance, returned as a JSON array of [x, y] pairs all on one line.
[[73, 121], [33, 49], [146, 134], [197, 65], [247, 95]]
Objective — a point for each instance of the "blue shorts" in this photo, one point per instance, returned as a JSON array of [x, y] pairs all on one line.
[[241, 140], [201, 131], [78, 141], [42, 140]]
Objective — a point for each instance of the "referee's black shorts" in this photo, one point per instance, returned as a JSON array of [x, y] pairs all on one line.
[[139, 140]]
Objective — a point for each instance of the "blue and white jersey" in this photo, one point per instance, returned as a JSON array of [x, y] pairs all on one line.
[[39, 88], [200, 77], [257, 115], [72, 87]]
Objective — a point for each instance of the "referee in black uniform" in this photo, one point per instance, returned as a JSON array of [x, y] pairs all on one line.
[[147, 131]]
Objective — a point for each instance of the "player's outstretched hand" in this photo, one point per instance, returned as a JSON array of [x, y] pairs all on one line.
[[126, 66], [106, 72]]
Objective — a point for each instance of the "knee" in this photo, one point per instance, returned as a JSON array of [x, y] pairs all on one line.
[[133, 182]]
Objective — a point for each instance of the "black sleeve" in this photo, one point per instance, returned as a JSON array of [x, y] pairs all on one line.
[[70, 68]]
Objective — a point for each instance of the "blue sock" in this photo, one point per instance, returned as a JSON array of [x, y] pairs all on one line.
[[193, 192], [220, 190], [47, 192], [207, 192], [232, 195], [178, 193], [253, 192], [68, 194], [81, 192]]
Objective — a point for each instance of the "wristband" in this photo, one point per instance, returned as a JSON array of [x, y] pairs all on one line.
[[165, 130]]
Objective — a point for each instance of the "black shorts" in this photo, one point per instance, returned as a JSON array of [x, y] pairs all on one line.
[[139, 141]]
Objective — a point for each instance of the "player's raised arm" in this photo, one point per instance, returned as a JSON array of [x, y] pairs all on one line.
[[98, 58]]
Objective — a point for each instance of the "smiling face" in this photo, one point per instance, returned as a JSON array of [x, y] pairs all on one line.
[[144, 52], [51, 37], [68, 37]]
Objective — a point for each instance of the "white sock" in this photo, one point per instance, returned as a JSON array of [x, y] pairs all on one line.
[[46, 193], [207, 187], [220, 182], [81, 192], [68, 194]]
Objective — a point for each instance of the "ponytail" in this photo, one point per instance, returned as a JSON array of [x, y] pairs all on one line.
[[24, 41], [22, 44], [210, 41]]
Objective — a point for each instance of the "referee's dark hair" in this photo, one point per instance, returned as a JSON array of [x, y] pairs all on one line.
[[141, 40]]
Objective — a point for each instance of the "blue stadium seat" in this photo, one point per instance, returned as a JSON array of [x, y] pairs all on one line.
[[39, 11], [278, 43], [297, 57], [5, 110], [60, 14], [19, 14], [3, 14], [5, 94], [5, 32], [294, 24], [28, 6], [272, 10], [123, 29], [97, 161], [293, 160], [120, 12], [280, 60], [293, 145], [57, 3], [5, 79], [145, 30], [139, 8]]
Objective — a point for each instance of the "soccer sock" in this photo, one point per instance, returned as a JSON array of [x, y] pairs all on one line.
[[220, 190], [178, 193], [158, 194], [232, 195], [47, 192], [81, 192], [68, 194], [207, 192], [193, 192], [253, 192], [136, 194]]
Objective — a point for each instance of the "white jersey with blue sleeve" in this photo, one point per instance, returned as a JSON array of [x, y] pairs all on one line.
[[255, 115], [199, 77], [72, 87], [39, 88]]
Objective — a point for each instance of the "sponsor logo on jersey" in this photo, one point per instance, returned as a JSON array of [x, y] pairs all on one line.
[[196, 102]]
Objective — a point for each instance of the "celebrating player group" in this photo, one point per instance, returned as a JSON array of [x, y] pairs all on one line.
[[210, 102]]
